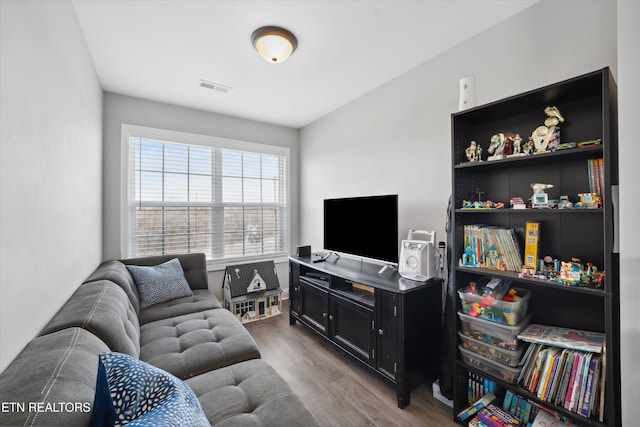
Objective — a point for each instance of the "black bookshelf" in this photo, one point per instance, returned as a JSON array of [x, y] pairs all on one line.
[[589, 106]]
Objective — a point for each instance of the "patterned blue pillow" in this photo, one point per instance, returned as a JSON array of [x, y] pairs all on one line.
[[142, 395], [160, 283]]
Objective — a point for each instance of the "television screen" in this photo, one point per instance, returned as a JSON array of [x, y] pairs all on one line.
[[363, 226]]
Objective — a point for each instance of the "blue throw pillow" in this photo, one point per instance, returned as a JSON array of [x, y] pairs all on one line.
[[142, 395], [160, 283]]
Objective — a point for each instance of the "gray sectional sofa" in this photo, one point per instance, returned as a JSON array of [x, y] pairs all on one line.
[[53, 380]]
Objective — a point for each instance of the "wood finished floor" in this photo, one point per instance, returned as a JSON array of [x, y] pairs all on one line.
[[336, 389]]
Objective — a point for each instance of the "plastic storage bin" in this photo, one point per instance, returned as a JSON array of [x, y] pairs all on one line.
[[503, 336], [498, 311], [506, 373], [492, 352]]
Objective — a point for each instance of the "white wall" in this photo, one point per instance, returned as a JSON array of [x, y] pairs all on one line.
[[50, 166], [397, 139], [120, 109], [629, 111]]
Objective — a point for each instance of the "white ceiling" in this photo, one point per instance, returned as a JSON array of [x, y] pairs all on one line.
[[159, 50]]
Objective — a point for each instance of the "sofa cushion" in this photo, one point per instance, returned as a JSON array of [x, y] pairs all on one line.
[[189, 345], [249, 394], [54, 379], [201, 300], [116, 272], [160, 283], [138, 394], [194, 266], [103, 309]]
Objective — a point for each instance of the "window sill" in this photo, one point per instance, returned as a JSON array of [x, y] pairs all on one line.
[[219, 265]]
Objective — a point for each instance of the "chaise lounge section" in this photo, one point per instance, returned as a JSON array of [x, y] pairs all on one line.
[[192, 337]]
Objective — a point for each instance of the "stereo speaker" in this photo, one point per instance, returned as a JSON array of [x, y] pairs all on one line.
[[418, 260], [303, 251]]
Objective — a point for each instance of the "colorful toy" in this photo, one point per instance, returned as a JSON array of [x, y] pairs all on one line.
[[517, 203], [540, 199], [469, 258], [570, 273]]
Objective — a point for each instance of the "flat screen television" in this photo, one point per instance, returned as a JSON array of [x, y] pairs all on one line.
[[363, 226]]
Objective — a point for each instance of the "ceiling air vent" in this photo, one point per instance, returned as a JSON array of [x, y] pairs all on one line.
[[215, 86]]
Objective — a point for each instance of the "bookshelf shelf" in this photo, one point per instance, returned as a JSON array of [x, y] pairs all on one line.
[[588, 104], [530, 210], [592, 422], [559, 156], [510, 275]]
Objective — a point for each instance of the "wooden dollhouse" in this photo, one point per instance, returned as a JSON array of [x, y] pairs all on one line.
[[252, 291]]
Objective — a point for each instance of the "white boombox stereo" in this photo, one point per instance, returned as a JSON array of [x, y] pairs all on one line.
[[418, 258]]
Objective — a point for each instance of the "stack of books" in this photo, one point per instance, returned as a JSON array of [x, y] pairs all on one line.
[[483, 240], [478, 386], [596, 176], [564, 367]]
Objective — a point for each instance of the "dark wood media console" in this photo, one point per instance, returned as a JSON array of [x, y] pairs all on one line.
[[392, 325]]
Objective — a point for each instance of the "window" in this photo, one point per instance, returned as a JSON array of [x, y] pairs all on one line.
[[216, 197]]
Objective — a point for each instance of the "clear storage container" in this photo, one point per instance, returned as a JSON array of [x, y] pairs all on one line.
[[501, 355], [503, 336], [506, 373], [498, 311]]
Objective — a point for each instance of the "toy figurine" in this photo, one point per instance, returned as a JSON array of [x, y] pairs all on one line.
[[517, 146], [528, 146], [549, 133], [473, 152], [496, 148]]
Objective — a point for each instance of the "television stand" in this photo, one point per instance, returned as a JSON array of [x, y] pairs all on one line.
[[389, 324]]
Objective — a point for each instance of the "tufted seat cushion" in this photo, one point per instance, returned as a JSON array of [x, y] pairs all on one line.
[[201, 300], [194, 343], [103, 309], [249, 394]]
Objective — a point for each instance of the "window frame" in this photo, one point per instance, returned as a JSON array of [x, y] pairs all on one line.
[[171, 136]]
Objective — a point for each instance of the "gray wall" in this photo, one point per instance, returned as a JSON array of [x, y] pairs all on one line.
[[50, 166], [629, 111], [120, 109]]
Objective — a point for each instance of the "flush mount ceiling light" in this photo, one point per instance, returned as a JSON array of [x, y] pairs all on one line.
[[274, 44]]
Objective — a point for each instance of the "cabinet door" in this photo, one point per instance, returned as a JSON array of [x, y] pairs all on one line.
[[294, 292], [314, 305], [387, 333], [351, 327]]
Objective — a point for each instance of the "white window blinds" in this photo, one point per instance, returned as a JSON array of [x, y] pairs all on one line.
[[224, 202]]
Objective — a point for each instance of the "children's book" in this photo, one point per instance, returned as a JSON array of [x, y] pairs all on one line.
[[494, 416], [563, 337], [570, 401], [545, 375], [566, 376], [594, 371], [471, 410], [557, 376]]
